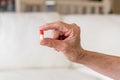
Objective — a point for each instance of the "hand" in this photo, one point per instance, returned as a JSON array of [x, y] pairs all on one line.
[[66, 38]]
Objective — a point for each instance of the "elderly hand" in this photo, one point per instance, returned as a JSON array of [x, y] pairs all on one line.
[[66, 38]]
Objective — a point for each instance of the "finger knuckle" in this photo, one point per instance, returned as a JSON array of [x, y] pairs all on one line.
[[78, 28], [59, 22], [74, 24]]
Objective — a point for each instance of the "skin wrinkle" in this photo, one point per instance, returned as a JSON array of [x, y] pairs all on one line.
[[66, 38], [106, 60]]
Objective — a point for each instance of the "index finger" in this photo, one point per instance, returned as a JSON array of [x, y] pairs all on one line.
[[60, 26]]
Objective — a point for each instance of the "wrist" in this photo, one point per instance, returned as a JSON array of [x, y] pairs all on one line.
[[76, 55], [80, 54]]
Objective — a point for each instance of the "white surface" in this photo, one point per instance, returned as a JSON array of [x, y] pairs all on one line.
[[19, 42], [93, 73], [19, 45], [47, 74]]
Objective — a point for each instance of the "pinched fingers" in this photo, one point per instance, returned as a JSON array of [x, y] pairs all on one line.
[[60, 26]]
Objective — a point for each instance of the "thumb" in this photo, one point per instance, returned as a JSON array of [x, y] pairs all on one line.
[[53, 43]]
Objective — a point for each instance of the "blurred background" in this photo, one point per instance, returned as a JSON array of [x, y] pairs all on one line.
[[61, 6], [23, 58]]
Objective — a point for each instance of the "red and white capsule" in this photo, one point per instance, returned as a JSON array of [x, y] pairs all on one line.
[[41, 34]]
